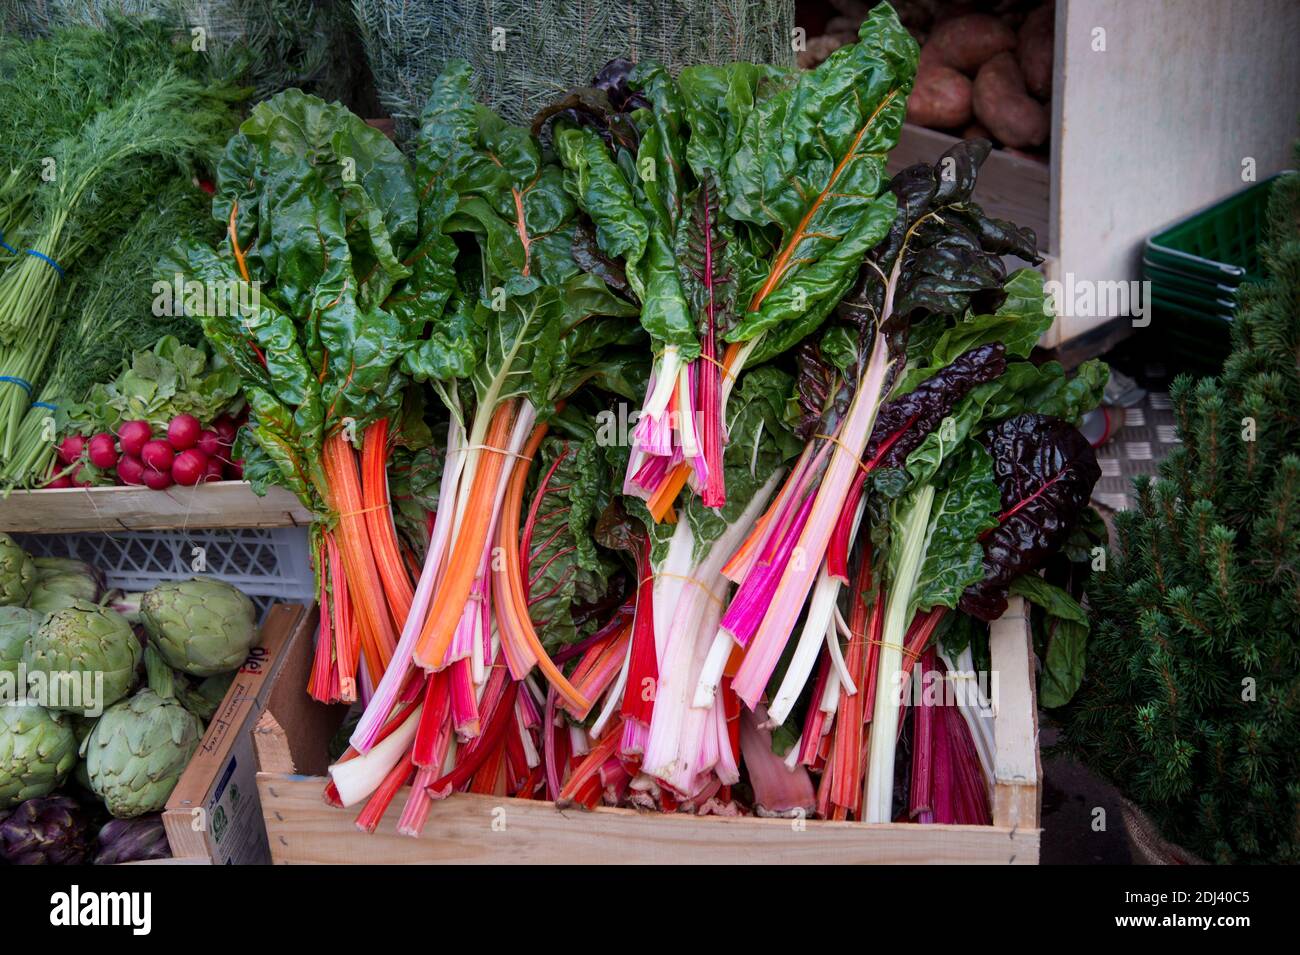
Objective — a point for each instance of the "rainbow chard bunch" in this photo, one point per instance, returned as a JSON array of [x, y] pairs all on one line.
[[735, 245], [321, 216], [894, 400]]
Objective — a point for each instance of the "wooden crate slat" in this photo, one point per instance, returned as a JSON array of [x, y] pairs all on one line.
[[486, 830], [112, 509]]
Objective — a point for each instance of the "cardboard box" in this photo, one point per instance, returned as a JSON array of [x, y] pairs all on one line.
[[214, 814]]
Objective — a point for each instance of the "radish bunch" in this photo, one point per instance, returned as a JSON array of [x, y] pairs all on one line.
[[187, 454]]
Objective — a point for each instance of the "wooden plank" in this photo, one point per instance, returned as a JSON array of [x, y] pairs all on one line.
[[1160, 122], [486, 830], [1016, 770], [1009, 187], [111, 509]]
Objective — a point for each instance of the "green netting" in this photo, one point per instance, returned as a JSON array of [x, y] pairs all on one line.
[[526, 52], [269, 44]]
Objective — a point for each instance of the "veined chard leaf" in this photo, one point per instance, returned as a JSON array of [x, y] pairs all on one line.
[[564, 566], [810, 161], [964, 508], [600, 188], [1066, 625], [1045, 471]]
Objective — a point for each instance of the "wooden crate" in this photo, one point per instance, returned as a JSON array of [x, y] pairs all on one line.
[[106, 510], [291, 734]]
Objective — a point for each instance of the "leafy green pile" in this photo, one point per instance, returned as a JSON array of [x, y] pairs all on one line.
[[126, 105]]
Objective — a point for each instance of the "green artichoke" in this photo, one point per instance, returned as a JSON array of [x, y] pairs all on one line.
[[59, 581], [16, 625], [17, 573], [138, 750], [48, 830], [37, 751], [81, 639], [201, 627]]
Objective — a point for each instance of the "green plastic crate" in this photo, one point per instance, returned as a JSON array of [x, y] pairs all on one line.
[[1196, 267], [1221, 242]]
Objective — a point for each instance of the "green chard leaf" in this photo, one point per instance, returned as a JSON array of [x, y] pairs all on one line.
[[810, 161], [967, 505]]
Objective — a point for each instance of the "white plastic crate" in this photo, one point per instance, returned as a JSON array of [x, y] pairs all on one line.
[[268, 564]]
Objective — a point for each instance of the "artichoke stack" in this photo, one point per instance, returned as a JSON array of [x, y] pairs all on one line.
[[17, 573], [38, 749], [84, 639], [201, 627], [134, 746]]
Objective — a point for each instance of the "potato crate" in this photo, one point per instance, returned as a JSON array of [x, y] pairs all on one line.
[[292, 734], [269, 564]]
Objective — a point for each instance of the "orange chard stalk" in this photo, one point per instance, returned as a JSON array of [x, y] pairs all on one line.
[[393, 572], [449, 601], [377, 637], [511, 603], [864, 625]]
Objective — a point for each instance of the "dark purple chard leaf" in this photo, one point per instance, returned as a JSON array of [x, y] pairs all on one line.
[[1045, 471], [813, 385], [946, 251], [902, 425], [589, 257], [903, 422], [605, 107], [614, 80]]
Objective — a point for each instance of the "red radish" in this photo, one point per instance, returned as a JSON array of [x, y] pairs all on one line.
[[226, 428], [130, 469], [210, 443], [189, 466], [157, 480], [213, 471], [102, 450], [133, 435], [61, 481], [235, 470], [70, 448], [157, 454], [183, 432]]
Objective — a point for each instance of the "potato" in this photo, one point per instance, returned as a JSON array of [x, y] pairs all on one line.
[[820, 47], [1002, 104], [968, 42], [930, 56], [941, 98], [843, 25], [1034, 50]]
